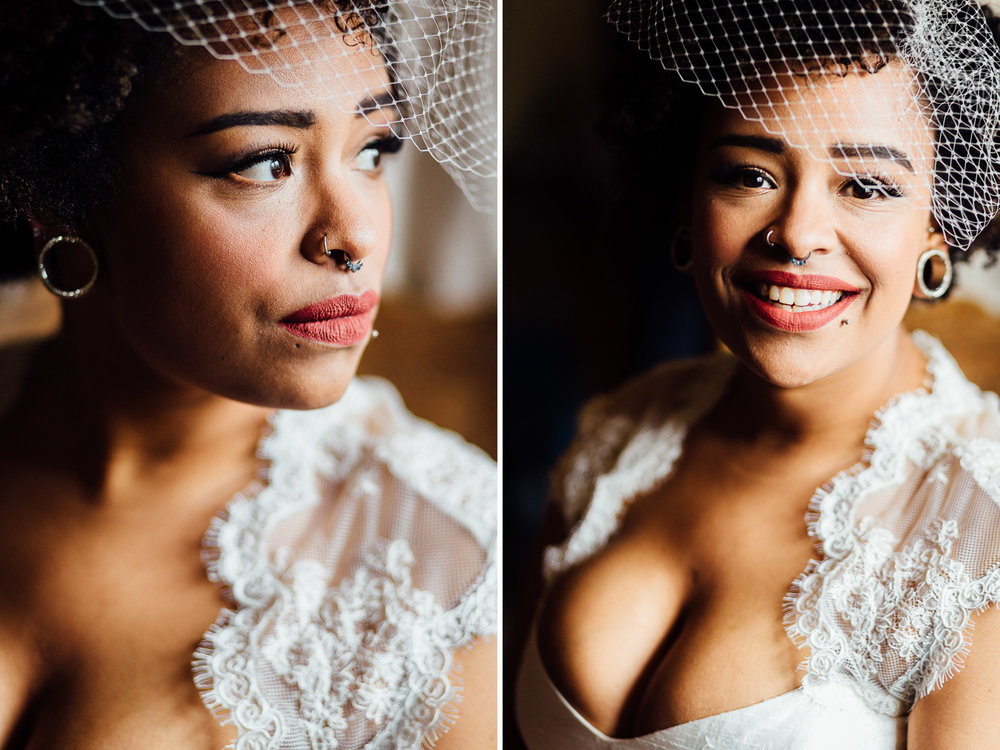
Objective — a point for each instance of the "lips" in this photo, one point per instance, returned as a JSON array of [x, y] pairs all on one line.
[[797, 302], [343, 320]]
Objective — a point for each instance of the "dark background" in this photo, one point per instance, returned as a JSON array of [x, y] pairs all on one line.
[[589, 294]]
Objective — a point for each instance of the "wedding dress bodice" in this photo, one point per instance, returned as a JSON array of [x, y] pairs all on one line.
[[907, 550]]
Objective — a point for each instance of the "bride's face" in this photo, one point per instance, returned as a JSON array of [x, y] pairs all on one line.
[[758, 199], [214, 240]]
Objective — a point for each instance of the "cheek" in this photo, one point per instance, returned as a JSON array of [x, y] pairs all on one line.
[[203, 256], [719, 234]]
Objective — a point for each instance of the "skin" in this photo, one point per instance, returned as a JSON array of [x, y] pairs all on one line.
[[680, 617], [140, 421]]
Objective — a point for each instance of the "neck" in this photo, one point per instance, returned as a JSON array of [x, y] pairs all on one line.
[[828, 413], [115, 424]]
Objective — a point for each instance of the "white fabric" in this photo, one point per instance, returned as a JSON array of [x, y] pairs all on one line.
[[359, 568], [829, 716], [908, 540]]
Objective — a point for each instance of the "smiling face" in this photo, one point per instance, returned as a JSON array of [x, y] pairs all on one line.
[[232, 187], [757, 201]]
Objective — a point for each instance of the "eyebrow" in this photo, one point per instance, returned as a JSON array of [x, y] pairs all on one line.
[[771, 145], [377, 102], [281, 117], [869, 150]]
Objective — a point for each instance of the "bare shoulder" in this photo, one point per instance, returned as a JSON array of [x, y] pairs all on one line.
[[965, 711], [20, 664]]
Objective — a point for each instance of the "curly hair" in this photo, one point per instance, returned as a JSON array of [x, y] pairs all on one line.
[[66, 75], [657, 113]]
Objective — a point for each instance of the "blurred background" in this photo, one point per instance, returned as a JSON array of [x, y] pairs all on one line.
[[438, 319]]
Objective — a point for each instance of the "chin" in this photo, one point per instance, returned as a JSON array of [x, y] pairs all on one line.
[[781, 366]]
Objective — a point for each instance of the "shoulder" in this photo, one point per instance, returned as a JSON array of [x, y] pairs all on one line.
[[609, 424], [627, 441], [370, 429]]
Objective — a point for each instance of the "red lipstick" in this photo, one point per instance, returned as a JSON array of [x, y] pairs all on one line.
[[796, 322], [800, 281], [343, 320], [768, 309]]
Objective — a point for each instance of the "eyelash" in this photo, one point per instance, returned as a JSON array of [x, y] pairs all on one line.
[[255, 156], [389, 144], [889, 188]]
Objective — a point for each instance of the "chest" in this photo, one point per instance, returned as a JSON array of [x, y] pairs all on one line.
[[109, 607], [681, 615]]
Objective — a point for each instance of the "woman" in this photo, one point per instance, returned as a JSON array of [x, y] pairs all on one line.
[[218, 226], [788, 547]]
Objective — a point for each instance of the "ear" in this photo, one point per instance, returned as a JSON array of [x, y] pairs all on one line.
[[935, 270]]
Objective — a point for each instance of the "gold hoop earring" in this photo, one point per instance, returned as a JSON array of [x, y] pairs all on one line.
[[46, 277], [942, 288]]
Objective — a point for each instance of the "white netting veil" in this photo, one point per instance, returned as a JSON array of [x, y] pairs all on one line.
[[440, 56], [795, 66]]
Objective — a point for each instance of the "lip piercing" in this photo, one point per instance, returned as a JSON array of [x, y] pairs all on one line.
[[845, 322], [345, 258]]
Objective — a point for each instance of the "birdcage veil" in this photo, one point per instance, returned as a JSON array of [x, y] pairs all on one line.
[[751, 54], [440, 56]]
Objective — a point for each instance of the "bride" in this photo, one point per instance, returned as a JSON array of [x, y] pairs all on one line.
[[212, 534], [788, 546]]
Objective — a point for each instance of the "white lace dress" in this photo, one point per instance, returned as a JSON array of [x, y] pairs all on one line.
[[362, 562], [907, 547]]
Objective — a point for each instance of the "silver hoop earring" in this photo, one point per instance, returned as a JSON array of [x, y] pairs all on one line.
[[942, 288], [682, 241], [345, 258], [43, 271]]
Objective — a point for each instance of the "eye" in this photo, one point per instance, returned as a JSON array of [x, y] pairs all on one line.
[[749, 178], [268, 167], [754, 179], [872, 188], [369, 158]]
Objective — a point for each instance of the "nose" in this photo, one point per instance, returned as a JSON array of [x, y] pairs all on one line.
[[344, 232], [805, 226]]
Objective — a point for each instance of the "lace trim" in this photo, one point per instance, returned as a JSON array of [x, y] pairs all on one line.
[[864, 600], [902, 601], [360, 646], [651, 448]]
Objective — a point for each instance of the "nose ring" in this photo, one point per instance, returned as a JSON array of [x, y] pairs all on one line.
[[798, 262], [344, 258]]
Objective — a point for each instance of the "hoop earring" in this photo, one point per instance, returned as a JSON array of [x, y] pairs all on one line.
[[681, 240], [352, 265], [942, 288], [43, 271]]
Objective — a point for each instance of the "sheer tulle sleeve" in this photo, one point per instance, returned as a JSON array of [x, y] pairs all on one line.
[[358, 568]]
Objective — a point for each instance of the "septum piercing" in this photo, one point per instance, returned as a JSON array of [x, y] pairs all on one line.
[[352, 265], [798, 262]]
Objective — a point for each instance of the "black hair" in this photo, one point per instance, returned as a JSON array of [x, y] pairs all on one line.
[[655, 119], [66, 75]]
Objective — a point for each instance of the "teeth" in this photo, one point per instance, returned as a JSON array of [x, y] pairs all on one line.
[[799, 300]]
